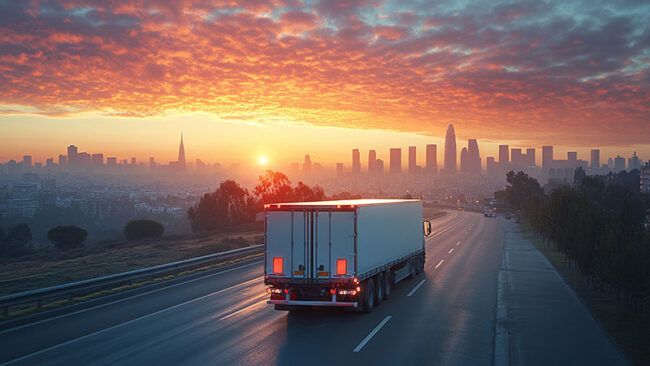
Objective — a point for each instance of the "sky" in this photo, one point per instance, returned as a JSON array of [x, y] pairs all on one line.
[[289, 77]]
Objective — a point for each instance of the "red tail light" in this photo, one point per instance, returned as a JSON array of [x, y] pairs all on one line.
[[341, 266], [278, 265]]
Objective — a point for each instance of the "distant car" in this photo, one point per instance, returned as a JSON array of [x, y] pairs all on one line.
[[488, 214], [508, 216]]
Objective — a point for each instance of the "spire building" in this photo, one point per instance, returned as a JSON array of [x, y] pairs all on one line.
[[450, 150]]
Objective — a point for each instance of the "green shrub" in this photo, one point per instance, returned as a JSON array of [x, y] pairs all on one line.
[[67, 237], [16, 241], [143, 229]]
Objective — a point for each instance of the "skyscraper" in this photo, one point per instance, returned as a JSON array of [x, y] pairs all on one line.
[[572, 157], [464, 161], [547, 157], [306, 166], [450, 149], [72, 156], [634, 162], [27, 161], [473, 157], [181, 154], [504, 155], [97, 159], [63, 160], [595, 159], [517, 158], [395, 161], [413, 161], [619, 164], [372, 161], [356, 161], [530, 157], [432, 158]]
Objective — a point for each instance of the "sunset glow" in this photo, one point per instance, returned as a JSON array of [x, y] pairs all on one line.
[[538, 73]]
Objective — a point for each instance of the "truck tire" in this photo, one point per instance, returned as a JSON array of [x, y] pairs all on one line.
[[379, 289], [419, 266], [388, 284], [368, 297]]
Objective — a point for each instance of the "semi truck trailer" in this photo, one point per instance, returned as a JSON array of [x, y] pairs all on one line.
[[346, 253]]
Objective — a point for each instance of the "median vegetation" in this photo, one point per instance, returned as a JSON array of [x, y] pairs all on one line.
[[595, 233]]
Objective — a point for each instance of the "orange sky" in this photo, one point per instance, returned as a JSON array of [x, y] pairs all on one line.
[[109, 78]]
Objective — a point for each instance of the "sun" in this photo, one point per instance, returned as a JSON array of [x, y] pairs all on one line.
[[263, 160]]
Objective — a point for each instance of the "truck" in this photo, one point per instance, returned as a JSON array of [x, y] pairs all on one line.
[[345, 253]]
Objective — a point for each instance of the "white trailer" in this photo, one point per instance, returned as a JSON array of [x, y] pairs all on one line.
[[341, 253]]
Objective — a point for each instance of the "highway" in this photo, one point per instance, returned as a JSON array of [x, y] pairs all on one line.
[[445, 316]]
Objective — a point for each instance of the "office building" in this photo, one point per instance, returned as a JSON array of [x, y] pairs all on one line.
[[547, 157], [619, 164], [395, 161], [645, 178], [516, 158], [450, 150], [413, 161], [531, 160], [634, 163], [431, 158], [372, 161], [97, 159], [504, 155], [595, 159], [63, 160], [306, 165], [27, 161], [356, 161]]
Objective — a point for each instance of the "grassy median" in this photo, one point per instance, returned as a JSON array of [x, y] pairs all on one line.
[[55, 268]]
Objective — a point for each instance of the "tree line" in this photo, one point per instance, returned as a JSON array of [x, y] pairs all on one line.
[[17, 240], [231, 205], [599, 224]]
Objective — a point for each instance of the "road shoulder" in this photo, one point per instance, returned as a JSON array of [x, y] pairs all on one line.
[[547, 324]]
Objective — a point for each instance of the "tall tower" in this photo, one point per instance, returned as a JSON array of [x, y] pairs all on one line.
[[395, 164], [432, 158], [473, 156], [595, 159], [372, 161], [181, 154], [413, 161], [356, 161], [450, 150]]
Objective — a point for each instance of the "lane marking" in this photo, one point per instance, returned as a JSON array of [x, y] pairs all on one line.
[[415, 288], [451, 250], [125, 323], [457, 244], [128, 298], [439, 263], [244, 308], [372, 334]]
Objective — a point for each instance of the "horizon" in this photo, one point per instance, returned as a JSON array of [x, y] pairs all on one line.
[[367, 75]]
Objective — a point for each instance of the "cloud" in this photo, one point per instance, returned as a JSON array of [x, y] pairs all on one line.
[[548, 72]]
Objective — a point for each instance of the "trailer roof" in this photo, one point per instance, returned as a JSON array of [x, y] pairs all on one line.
[[336, 204]]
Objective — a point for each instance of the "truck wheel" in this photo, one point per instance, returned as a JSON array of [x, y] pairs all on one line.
[[368, 297], [388, 284], [379, 289], [419, 266]]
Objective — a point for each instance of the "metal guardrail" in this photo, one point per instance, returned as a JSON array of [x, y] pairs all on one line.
[[69, 290]]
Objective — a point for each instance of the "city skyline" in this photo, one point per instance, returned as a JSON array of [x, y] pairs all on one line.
[[510, 81]]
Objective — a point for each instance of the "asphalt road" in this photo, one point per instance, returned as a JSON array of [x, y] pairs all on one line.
[[445, 316]]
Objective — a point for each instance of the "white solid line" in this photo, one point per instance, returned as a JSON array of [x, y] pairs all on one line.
[[439, 263], [127, 298], [372, 334], [415, 288], [244, 308], [126, 323], [451, 250]]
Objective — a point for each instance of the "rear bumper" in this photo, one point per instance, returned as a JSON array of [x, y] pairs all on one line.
[[314, 303]]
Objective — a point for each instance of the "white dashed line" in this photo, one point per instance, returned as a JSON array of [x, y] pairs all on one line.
[[439, 263], [415, 288], [372, 334]]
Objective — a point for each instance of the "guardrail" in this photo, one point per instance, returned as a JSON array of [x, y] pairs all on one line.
[[72, 289]]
